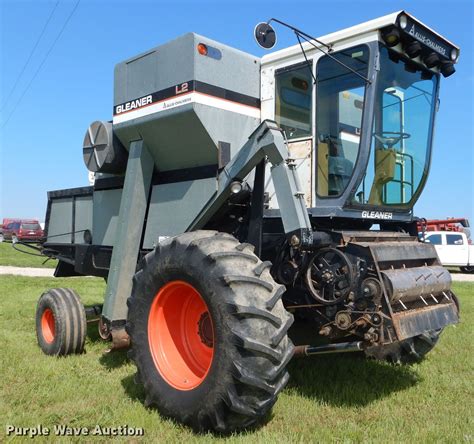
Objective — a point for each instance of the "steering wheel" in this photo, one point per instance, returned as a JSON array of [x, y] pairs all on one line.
[[391, 138]]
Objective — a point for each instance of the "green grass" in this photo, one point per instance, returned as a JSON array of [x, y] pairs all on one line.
[[10, 256], [333, 398]]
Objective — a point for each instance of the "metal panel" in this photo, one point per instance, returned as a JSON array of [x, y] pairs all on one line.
[[401, 251], [83, 217], [301, 152], [105, 215], [415, 322], [129, 232], [60, 221], [224, 125], [178, 61], [208, 118], [173, 206]]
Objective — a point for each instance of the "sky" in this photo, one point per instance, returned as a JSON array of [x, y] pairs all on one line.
[[46, 107]]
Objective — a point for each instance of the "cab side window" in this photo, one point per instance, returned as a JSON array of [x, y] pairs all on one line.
[[434, 239], [454, 239], [293, 100]]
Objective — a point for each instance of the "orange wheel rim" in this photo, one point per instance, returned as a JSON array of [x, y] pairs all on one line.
[[181, 335], [47, 325]]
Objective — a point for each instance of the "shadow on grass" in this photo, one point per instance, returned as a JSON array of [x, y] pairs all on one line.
[[348, 380], [113, 359], [343, 381], [135, 391], [93, 332]]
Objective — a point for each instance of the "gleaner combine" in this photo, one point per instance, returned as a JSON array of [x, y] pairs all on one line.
[[232, 192]]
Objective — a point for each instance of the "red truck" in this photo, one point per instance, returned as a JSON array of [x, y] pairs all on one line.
[[25, 230]]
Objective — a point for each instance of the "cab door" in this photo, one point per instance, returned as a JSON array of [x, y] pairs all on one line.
[[340, 95], [293, 111], [437, 239], [456, 249]]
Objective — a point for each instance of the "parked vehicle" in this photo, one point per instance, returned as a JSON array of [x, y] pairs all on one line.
[[454, 249], [5, 222], [24, 230]]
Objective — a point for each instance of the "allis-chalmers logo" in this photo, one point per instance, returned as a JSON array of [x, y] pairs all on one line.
[[426, 40]]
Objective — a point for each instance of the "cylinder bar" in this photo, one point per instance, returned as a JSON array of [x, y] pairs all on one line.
[[93, 311], [343, 347]]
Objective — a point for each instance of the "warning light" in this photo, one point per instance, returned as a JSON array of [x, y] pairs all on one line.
[[202, 49]]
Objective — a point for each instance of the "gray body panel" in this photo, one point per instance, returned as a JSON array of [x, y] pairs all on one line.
[[60, 226], [174, 206], [187, 135], [105, 216], [133, 206], [60, 221]]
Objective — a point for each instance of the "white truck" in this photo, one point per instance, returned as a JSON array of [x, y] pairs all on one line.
[[454, 248]]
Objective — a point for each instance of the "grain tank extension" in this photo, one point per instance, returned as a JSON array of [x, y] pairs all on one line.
[[236, 196]]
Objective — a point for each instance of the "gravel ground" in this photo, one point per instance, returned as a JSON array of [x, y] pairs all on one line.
[[45, 272], [20, 271], [462, 277]]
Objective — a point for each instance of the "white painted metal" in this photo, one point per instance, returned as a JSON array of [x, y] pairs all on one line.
[[359, 34], [293, 56], [353, 33]]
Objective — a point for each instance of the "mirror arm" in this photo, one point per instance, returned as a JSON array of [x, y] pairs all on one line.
[[298, 31], [308, 38]]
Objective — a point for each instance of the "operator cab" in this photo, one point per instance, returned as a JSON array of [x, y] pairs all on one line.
[[357, 108]]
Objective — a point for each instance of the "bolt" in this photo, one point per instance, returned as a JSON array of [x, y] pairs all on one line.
[[294, 240], [325, 331]]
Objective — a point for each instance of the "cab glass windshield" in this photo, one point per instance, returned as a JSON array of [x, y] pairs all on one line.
[[339, 106], [401, 134]]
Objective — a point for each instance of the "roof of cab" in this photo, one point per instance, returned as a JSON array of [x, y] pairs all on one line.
[[353, 31]]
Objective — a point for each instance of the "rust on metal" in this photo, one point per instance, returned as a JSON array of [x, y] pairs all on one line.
[[415, 322], [300, 351], [120, 339]]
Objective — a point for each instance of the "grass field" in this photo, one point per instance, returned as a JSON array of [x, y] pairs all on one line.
[[12, 257], [333, 398]]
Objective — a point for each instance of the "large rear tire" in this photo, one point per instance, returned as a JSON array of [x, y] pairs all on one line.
[[61, 324], [209, 332]]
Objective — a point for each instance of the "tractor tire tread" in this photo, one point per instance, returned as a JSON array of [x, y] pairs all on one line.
[[256, 349]]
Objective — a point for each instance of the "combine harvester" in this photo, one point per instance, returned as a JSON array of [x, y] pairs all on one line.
[[456, 224], [232, 192]]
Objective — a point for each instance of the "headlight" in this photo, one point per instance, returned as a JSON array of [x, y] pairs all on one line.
[[454, 54], [235, 187], [403, 21], [391, 36]]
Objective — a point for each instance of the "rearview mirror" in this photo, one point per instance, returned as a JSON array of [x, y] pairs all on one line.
[[265, 35]]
